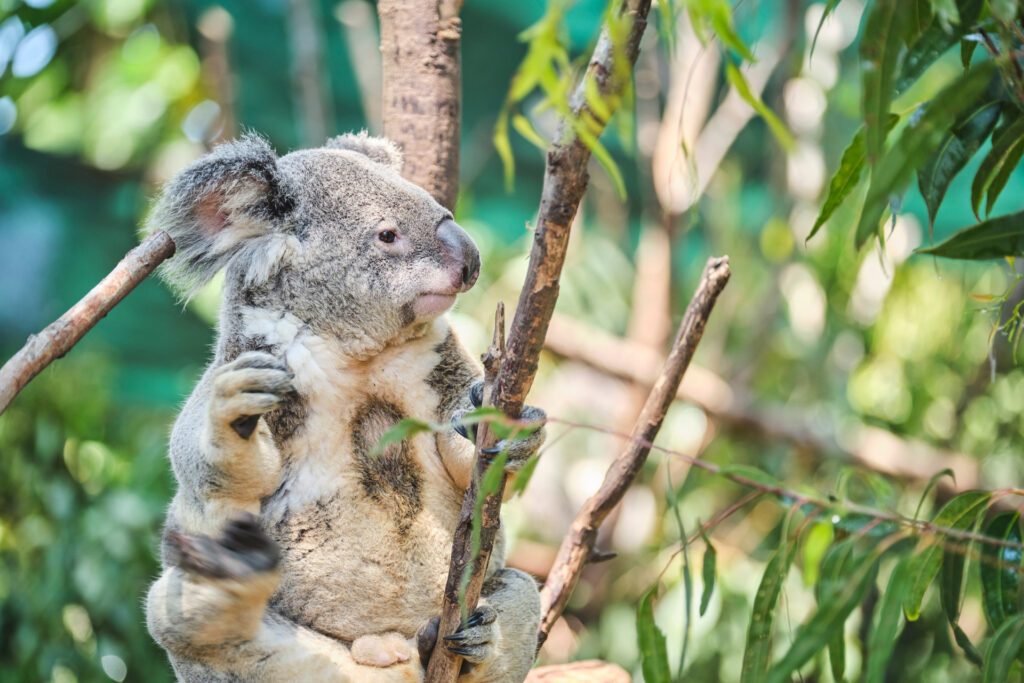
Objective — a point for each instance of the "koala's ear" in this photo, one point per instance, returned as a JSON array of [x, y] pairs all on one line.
[[232, 201], [381, 150]]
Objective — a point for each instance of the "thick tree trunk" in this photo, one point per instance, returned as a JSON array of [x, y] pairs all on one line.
[[419, 43]]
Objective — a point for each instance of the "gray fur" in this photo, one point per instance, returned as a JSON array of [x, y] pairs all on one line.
[[326, 340]]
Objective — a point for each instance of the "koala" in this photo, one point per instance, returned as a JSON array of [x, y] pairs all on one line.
[[295, 548]]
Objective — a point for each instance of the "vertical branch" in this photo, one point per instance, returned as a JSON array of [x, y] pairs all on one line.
[[363, 44], [309, 83], [565, 180], [578, 545], [419, 44]]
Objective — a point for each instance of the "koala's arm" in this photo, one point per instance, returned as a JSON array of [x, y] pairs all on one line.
[[222, 451]]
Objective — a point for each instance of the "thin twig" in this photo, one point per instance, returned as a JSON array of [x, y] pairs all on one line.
[[565, 180], [57, 339], [578, 544]]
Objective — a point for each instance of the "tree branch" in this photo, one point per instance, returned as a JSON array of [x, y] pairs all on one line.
[[311, 89], [419, 44], [578, 545], [57, 339], [565, 180]]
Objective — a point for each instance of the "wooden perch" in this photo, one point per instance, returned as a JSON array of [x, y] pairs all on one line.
[[578, 545], [57, 339], [419, 45], [565, 180], [871, 447]]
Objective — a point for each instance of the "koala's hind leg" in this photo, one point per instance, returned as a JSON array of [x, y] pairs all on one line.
[[498, 642]]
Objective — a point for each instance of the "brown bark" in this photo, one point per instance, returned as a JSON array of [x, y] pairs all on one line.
[[565, 180], [578, 545], [419, 44], [57, 339]]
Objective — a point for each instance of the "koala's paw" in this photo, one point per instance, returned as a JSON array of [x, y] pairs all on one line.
[[519, 449], [242, 550], [253, 384], [476, 639], [383, 649]]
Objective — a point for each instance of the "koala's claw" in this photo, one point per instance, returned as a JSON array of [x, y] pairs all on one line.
[[519, 450], [253, 384], [241, 550], [474, 640]]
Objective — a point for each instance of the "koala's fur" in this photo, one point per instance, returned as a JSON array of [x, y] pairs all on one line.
[[324, 343]]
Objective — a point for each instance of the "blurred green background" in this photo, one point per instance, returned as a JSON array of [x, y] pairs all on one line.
[[101, 100]]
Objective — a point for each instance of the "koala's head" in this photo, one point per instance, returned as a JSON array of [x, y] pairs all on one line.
[[332, 235]]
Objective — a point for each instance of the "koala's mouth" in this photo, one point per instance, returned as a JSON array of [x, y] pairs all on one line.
[[430, 304]]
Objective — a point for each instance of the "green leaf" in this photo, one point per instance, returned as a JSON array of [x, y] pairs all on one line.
[[951, 580], [967, 47], [960, 144], [934, 42], [524, 475], [775, 125], [971, 652], [503, 146], [923, 133], [667, 24], [961, 513], [880, 54], [882, 640], [946, 11], [826, 623], [653, 651], [834, 577], [995, 238], [1002, 175], [1003, 648], [1000, 568], [933, 481], [748, 473], [526, 129], [402, 430], [816, 543], [830, 7], [1004, 153], [851, 168], [758, 651], [708, 574]]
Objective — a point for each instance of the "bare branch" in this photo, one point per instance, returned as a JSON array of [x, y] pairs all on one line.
[[419, 44], [565, 180], [578, 545], [311, 89], [57, 339]]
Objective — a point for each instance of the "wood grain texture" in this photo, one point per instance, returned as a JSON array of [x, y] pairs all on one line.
[[57, 339]]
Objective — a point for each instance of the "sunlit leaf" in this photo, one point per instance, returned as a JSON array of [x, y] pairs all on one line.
[[880, 54], [826, 623], [526, 129], [503, 146], [960, 144], [758, 651], [653, 651], [816, 543], [994, 238], [1003, 648], [775, 125], [962, 512], [882, 640], [1000, 568], [923, 133]]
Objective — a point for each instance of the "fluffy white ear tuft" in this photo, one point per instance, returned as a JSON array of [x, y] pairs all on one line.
[[231, 201], [381, 150]]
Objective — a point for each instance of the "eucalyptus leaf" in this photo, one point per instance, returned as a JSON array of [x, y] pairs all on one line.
[[775, 125], [400, 431], [650, 638], [880, 53], [934, 42], [758, 651], [1000, 567], [888, 623], [1004, 153], [708, 575], [1003, 648], [994, 238]]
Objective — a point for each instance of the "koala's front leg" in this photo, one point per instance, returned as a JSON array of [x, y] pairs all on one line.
[[238, 444], [498, 642]]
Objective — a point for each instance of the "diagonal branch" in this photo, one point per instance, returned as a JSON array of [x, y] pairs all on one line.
[[57, 339], [565, 180], [578, 545]]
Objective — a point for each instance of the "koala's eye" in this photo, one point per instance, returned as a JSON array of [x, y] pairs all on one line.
[[387, 236]]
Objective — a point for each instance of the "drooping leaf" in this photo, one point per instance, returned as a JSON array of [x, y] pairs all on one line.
[[946, 11], [967, 47], [1000, 567], [935, 41], [826, 623], [1003, 648], [1004, 153], [503, 146], [962, 512], [775, 125], [651, 639], [835, 575], [524, 475], [880, 50], [933, 481], [667, 24], [846, 177], [830, 7], [716, 16], [882, 640], [920, 138], [998, 237], [951, 580], [995, 187], [708, 574], [674, 496], [971, 129], [970, 651], [758, 651]]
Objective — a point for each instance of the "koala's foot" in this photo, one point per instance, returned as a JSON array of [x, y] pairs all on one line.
[[383, 649], [253, 384], [519, 449], [242, 549], [475, 640]]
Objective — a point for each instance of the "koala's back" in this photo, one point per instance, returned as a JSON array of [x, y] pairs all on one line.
[[363, 534]]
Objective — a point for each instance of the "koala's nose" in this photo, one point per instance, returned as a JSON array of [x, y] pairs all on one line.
[[461, 253]]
